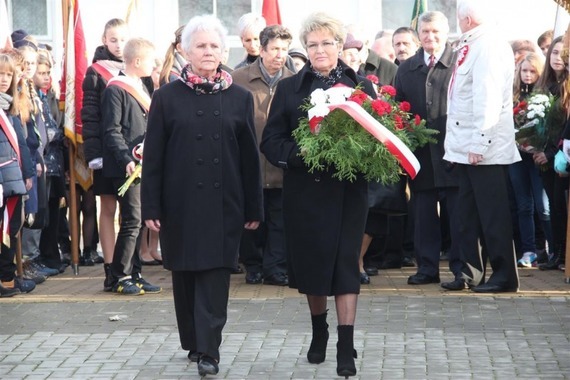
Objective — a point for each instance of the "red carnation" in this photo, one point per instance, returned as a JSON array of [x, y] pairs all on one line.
[[358, 96], [388, 90], [373, 78], [381, 107], [398, 122], [405, 106], [417, 120]]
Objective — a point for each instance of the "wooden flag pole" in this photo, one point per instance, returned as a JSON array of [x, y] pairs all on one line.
[[73, 220]]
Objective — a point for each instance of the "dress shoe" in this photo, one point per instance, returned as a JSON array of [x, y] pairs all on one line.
[[194, 356], [422, 279], [279, 279], [493, 288], [253, 278], [207, 366], [408, 262], [457, 284], [150, 262], [364, 279], [371, 270], [237, 270], [390, 265]]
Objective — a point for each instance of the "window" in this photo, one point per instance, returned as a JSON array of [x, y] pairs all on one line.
[[228, 11], [33, 16]]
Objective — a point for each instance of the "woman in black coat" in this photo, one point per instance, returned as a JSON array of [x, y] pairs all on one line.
[[201, 186], [324, 217]]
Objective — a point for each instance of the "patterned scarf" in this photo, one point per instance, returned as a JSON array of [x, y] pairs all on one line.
[[332, 79], [222, 80]]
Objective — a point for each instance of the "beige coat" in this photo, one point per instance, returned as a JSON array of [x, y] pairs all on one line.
[[251, 78]]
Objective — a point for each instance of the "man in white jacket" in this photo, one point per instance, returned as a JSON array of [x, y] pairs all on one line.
[[480, 145]]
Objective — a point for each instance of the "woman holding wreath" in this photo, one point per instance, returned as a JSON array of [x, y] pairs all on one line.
[[324, 217]]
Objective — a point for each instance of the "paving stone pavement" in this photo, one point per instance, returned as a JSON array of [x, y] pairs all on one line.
[[63, 330]]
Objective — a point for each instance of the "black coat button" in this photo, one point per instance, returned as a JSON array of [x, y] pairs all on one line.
[[199, 136], [216, 113], [216, 136], [317, 179], [216, 185], [199, 185], [200, 113], [216, 161]]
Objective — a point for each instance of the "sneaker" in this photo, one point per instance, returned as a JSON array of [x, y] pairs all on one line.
[[7, 289], [527, 260], [24, 285], [127, 287], [43, 270], [145, 285]]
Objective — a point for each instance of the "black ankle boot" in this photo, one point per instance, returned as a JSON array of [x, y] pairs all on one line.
[[85, 259], [345, 352], [553, 263], [318, 349], [109, 281]]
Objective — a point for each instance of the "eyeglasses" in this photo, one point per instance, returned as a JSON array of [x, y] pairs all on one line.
[[313, 46]]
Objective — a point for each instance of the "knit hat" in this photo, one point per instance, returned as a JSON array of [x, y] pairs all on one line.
[[21, 38], [352, 43], [299, 52]]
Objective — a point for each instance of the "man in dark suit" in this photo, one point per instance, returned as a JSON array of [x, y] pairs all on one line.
[[422, 80]]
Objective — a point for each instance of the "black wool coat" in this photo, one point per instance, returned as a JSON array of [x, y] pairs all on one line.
[[324, 218], [201, 175], [426, 91]]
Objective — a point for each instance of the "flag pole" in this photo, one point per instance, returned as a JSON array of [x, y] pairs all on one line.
[[73, 222]]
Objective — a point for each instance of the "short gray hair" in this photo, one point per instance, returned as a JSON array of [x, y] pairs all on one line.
[[322, 21], [477, 10], [434, 16], [204, 23], [251, 21]]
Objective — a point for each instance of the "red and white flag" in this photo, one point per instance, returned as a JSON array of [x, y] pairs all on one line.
[[270, 11]]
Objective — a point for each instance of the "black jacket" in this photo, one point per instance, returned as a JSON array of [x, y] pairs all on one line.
[[93, 86], [124, 126], [426, 91]]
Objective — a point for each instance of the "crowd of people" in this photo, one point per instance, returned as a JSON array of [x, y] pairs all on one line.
[[247, 200]]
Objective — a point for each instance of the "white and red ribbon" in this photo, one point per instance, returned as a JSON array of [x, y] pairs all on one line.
[[394, 145]]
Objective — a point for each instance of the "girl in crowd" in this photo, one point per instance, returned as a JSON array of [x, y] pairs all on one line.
[[174, 61], [525, 177], [107, 62], [16, 172], [553, 80]]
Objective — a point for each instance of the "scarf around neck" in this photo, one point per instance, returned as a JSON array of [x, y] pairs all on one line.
[[222, 80], [332, 79], [5, 101]]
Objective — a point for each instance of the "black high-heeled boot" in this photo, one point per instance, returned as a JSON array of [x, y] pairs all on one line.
[[345, 352], [318, 349]]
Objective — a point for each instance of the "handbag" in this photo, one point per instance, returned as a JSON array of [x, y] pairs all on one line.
[[388, 199]]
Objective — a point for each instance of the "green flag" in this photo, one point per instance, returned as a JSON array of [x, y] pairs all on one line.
[[420, 6]]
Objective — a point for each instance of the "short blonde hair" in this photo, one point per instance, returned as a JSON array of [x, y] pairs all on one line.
[[137, 48], [322, 21]]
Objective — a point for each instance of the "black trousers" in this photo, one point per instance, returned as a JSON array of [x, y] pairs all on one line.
[[201, 304], [263, 249], [483, 214], [126, 258], [428, 231]]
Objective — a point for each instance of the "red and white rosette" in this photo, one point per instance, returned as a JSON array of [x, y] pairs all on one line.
[[138, 152], [394, 145]]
